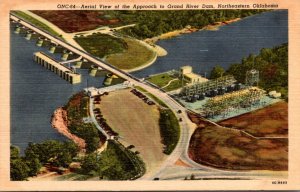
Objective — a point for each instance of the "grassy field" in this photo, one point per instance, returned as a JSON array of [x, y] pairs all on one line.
[[101, 45], [135, 55], [271, 121], [122, 53], [35, 22], [232, 149], [169, 130], [136, 122], [161, 80]]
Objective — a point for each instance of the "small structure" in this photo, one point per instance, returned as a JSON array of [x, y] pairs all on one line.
[[186, 72], [274, 94], [91, 91]]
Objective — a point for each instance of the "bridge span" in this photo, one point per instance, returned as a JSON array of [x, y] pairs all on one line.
[[75, 50]]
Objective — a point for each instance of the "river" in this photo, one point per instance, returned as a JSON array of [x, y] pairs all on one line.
[[37, 92], [204, 49]]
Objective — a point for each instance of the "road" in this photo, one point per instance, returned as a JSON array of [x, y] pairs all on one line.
[[94, 119], [103, 30]]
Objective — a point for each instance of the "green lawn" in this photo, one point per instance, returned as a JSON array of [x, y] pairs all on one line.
[[169, 130], [161, 80], [135, 55], [101, 45], [175, 85], [35, 22]]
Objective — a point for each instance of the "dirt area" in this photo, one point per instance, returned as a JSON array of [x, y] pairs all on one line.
[[233, 149], [189, 29], [137, 124], [60, 123], [271, 121], [76, 21]]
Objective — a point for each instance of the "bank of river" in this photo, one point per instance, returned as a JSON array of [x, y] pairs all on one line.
[[206, 48], [36, 93]]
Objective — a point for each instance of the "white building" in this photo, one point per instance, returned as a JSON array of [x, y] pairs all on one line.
[[186, 72]]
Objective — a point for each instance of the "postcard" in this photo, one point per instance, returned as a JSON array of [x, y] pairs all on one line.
[[162, 95]]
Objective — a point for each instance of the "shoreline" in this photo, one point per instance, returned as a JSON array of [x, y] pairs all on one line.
[[189, 29], [59, 121], [151, 42], [149, 62]]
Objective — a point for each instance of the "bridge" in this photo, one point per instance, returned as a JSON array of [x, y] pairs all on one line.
[[75, 50]]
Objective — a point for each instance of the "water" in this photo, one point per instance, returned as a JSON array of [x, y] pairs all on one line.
[[205, 49], [36, 92]]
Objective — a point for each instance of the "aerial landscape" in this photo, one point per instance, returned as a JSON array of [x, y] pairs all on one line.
[[148, 95]]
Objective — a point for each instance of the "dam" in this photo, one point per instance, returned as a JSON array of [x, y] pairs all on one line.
[[56, 67]]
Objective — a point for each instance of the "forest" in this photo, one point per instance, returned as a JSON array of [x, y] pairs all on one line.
[[154, 23], [50, 152], [272, 64]]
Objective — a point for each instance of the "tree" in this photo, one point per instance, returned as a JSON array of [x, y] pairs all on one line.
[[19, 170], [89, 163], [71, 147], [92, 144], [217, 72], [34, 166], [52, 151], [14, 152]]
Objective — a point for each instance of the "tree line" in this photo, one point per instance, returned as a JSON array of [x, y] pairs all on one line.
[[154, 23], [115, 163], [50, 152], [272, 64]]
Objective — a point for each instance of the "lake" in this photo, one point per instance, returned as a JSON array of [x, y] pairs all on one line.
[[205, 49]]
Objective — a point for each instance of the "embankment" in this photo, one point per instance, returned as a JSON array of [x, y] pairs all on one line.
[[59, 122]]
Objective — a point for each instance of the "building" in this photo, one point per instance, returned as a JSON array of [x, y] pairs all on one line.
[[186, 72], [56, 67]]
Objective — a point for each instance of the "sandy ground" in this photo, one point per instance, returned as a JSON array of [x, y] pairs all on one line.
[[188, 30], [60, 123], [137, 124]]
